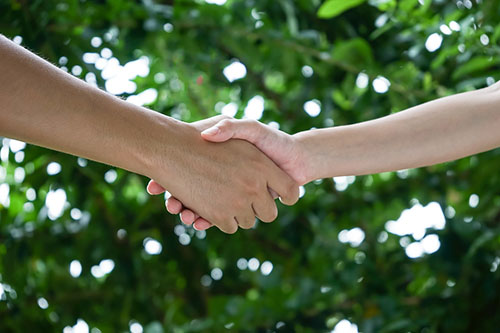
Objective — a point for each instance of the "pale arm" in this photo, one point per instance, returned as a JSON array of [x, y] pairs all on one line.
[[43, 105], [438, 131]]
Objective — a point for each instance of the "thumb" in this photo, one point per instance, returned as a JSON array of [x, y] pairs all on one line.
[[217, 133], [209, 122], [231, 129]]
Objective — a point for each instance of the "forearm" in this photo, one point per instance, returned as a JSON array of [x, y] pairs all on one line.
[[435, 132], [43, 105]]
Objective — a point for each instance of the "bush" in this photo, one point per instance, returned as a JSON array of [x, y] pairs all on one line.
[[78, 245]]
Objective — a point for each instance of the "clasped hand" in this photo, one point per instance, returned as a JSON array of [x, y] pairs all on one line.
[[226, 184]]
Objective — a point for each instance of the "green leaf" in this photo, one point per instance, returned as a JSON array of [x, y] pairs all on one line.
[[334, 8], [479, 242], [341, 100], [355, 51], [474, 66]]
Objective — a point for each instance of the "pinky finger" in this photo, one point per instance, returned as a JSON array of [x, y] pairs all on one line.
[[154, 188]]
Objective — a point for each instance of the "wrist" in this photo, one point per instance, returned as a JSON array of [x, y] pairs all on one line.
[[305, 154], [165, 138], [328, 152]]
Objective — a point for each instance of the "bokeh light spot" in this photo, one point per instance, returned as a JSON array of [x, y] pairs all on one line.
[[235, 71], [254, 108], [152, 246], [312, 107], [381, 85], [433, 42]]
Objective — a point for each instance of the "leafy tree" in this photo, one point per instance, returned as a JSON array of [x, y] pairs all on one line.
[[91, 260]]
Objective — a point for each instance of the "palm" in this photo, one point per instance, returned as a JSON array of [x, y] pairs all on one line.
[[280, 148]]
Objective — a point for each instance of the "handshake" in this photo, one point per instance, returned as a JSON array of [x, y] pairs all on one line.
[[241, 166], [232, 170], [222, 171]]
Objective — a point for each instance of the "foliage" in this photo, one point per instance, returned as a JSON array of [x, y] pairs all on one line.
[[291, 56], [332, 8]]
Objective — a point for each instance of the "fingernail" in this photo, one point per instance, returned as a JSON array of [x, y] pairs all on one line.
[[211, 131]]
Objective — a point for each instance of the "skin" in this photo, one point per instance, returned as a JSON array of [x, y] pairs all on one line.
[[228, 182], [435, 132]]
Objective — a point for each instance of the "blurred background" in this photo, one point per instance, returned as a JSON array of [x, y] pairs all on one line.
[[83, 248]]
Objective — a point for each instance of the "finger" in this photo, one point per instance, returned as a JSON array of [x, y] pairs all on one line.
[[202, 224], [187, 217], [154, 188], [209, 122], [273, 193], [281, 183], [249, 130], [265, 208], [173, 205], [246, 220], [229, 227]]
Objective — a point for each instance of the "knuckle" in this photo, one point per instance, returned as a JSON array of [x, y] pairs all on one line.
[[225, 123], [250, 122], [218, 219], [223, 117], [239, 202], [250, 186], [258, 163]]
